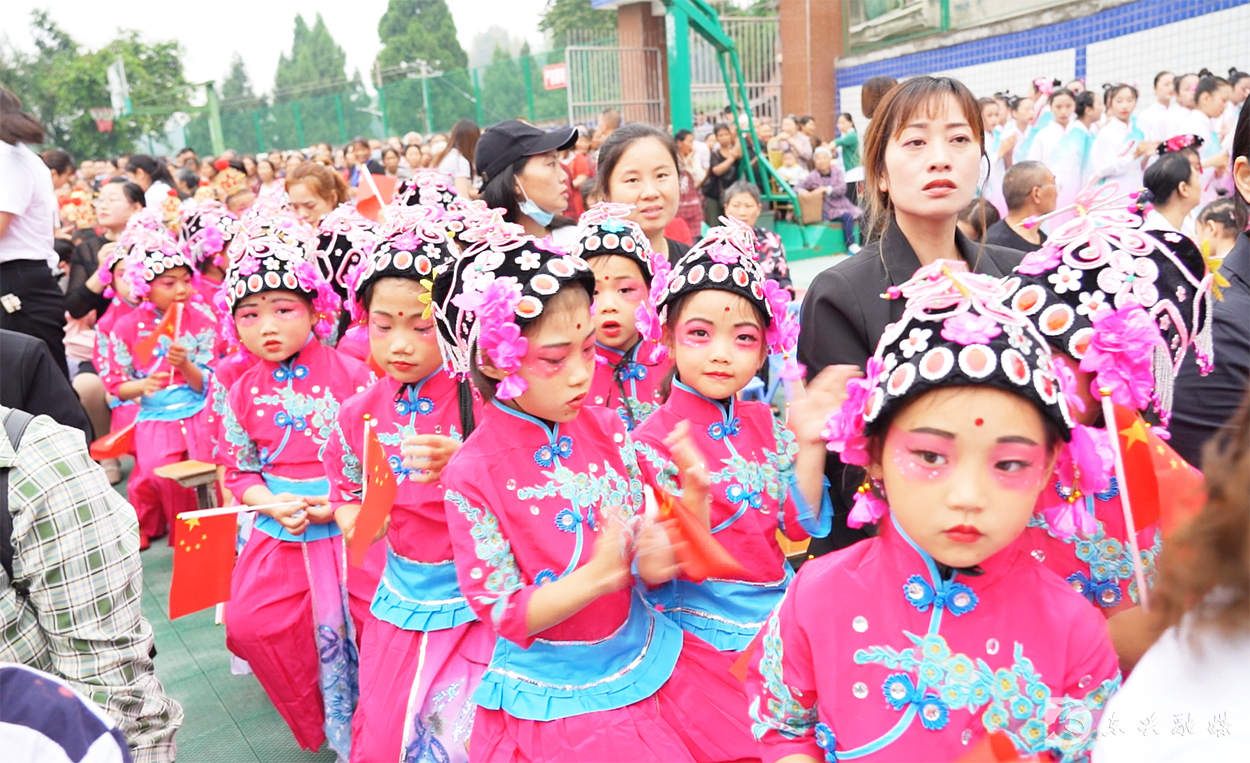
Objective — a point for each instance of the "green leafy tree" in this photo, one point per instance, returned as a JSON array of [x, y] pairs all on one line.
[[305, 86], [419, 39], [561, 17], [503, 88], [60, 81], [236, 89]]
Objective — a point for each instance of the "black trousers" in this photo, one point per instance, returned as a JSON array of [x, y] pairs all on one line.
[[42, 312]]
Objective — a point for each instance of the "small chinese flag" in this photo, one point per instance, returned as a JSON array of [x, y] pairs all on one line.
[[114, 444], [1162, 486], [380, 489], [145, 347], [701, 556], [203, 561], [372, 193]]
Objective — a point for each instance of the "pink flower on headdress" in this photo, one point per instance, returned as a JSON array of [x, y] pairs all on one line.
[[969, 328], [1040, 261], [408, 241], [1087, 461], [1120, 353], [512, 387], [844, 429], [783, 330], [867, 509], [1068, 385], [725, 254], [1067, 520], [509, 346], [249, 265], [604, 210], [1130, 279]]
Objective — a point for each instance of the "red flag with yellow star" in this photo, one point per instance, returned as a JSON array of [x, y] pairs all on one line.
[[145, 348], [203, 561], [380, 489], [1162, 486]]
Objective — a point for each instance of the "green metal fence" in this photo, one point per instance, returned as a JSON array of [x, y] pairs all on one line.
[[406, 101]]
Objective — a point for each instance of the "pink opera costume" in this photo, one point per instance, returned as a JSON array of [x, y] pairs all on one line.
[[750, 454], [878, 652], [1125, 306], [615, 681], [289, 614], [122, 412], [168, 423], [424, 650], [626, 381]]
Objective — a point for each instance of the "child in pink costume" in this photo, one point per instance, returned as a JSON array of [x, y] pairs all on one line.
[[720, 317], [170, 381], [117, 289], [423, 651], [1120, 308], [914, 644], [288, 614], [629, 373], [543, 503]]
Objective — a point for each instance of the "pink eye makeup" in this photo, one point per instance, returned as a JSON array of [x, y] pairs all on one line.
[[247, 318], [695, 333], [923, 456], [1018, 466], [545, 363], [631, 289], [748, 338], [289, 309]]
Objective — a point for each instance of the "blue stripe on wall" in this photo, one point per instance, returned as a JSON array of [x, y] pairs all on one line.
[[1075, 33]]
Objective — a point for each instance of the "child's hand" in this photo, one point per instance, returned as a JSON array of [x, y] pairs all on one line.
[[293, 516], [319, 510], [656, 558], [692, 470], [154, 383], [610, 564], [819, 399], [429, 453], [176, 356]]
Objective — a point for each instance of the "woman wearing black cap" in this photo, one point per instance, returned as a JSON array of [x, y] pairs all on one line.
[[522, 175]]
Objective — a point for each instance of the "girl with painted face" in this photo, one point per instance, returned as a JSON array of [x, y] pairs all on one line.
[[544, 505], [423, 651], [915, 643], [167, 373], [289, 615], [720, 318], [628, 373]]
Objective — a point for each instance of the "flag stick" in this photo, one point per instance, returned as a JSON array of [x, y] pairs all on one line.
[[221, 510], [1108, 414]]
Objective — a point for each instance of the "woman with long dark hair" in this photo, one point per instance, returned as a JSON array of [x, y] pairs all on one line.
[[456, 158], [922, 161], [30, 300]]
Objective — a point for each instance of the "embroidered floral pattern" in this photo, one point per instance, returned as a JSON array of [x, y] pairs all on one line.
[[503, 577], [782, 712]]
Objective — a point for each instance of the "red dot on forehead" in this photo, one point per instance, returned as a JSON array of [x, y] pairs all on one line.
[[401, 313], [579, 325], [726, 309], [979, 422]]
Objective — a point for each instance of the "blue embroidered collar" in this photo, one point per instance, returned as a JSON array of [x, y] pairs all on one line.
[[408, 399], [729, 425], [557, 446], [290, 369]]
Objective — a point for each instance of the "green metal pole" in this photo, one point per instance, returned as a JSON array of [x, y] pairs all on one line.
[[425, 100], [299, 124], [529, 87], [946, 15], [260, 134], [677, 26], [338, 110], [215, 133], [477, 97]]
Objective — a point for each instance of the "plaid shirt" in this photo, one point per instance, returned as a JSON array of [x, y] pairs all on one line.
[[76, 546]]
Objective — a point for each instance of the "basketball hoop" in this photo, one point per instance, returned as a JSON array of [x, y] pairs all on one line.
[[103, 117]]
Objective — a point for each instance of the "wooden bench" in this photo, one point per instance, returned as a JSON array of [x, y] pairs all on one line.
[[194, 474]]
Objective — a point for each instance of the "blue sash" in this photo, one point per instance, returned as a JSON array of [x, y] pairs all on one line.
[[725, 613], [274, 529], [560, 679], [420, 596], [172, 403]]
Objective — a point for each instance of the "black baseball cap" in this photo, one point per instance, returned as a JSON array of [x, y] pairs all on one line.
[[502, 145]]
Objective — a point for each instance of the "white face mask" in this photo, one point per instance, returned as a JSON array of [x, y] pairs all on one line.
[[533, 211]]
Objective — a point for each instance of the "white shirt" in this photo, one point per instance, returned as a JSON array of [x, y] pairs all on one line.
[[1111, 158], [1154, 220], [1179, 701], [156, 194], [455, 165], [1153, 121], [26, 193]]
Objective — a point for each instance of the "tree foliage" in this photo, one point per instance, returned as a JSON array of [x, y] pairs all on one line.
[[317, 65], [60, 80], [503, 88], [236, 89], [561, 17], [419, 38]]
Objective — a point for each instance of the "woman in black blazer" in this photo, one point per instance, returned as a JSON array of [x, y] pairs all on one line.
[[922, 160]]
